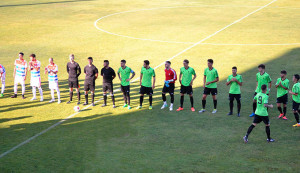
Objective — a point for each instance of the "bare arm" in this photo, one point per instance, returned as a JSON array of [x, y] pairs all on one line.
[[193, 79], [96, 76], [180, 75], [204, 81], [268, 106], [153, 86], [119, 76], [141, 77]]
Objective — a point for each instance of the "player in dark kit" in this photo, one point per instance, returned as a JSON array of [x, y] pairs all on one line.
[[108, 75], [74, 72], [91, 74], [169, 85]]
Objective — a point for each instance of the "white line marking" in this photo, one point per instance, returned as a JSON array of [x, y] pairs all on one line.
[[181, 52]]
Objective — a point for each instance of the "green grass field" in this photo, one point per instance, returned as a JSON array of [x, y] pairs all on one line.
[[120, 140]]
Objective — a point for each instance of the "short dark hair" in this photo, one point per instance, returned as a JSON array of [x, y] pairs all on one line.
[[90, 58], [297, 76], [32, 55], [169, 62], [146, 62], [283, 72], [263, 87], [21, 53], [234, 67], [123, 60], [261, 66], [210, 60], [186, 61], [106, 61]]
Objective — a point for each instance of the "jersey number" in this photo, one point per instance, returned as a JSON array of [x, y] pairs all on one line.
[[259, 99]]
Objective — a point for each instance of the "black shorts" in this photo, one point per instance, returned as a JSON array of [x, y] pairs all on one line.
[[258, 119], [186, 90], [125, 89], [89, 86], [212, 91], [296, 106], [169, 89], [107, 87], [146, 90], [283, 99], [234, 96], [73, 84]]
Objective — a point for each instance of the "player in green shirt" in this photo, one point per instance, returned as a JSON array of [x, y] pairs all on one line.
[[235, 81], [261, 113], [282, 86], [262, 78], [211, 77], [296, 98], [186, 80], [146, 83], [124, 76]]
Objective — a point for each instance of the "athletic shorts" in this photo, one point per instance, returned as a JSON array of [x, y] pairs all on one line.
[[3, 77], [234, 96], [89, 86], [19, 80], [53, 85], [283, 99], [212, 91], [186, 90], [35, 81], [125, 89], [169, 89], [107, 87], [258, 119], [146, 90], [73, 84], [296, 106]]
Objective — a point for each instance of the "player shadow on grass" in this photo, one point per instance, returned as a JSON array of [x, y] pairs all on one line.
[[43, 3]]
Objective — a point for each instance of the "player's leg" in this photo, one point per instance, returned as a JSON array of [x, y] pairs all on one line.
[[51, 87], [3, 84], [150, 93], [231, 99], [70, 92], [268, 131], [239, 104], [111, 91], [86, 96], [204, 96], [23, 88], [280, 110], [104, 88], [78, 95], [41, 90], [58, 93], [124, 96], [16, 81], [214, 93], [128, 96], [182, 92], [93, 97], [171, 92], [284, 102], [33, 93], [190, 93], [254, 105], [257, 119], [142, 92], [163, 95], [296, 113]]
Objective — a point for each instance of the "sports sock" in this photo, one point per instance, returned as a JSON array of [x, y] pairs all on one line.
[[52, 94], [284, 111], [164, 97], [15, 88], [296, 117], [125, 98], [268, 131], [172, 98], [254, 106], [231, 105], [181, 101], [23, 89], [203, 104], [250, 130], [150, 100], [2, 88], [86, 98], [93, 97], [141, 100], [58, 93], [78, 95], [71, 95], [105, 98], [192, 101], [215, 104], [239, 105], [113, 99], [41, 91], [128, 98], [279, 109], [34, 92]]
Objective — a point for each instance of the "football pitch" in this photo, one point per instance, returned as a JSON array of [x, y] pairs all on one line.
[[49, 137]]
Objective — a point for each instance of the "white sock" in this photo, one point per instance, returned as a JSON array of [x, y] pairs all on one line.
[[41, 91], [165, 102], [23, 89], [16, 88], [52, 94], [34, 91], [3, 88], [171, 105], [58, 93]]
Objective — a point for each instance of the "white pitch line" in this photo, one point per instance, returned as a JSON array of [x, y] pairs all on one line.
[[181, 52]]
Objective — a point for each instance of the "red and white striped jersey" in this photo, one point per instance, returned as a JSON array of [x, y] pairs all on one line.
[[171, 75]]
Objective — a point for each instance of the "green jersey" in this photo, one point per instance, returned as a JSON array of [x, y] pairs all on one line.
[[125, 74], [296, 89], [187, 75], [281, 91], [234, 86], [261, 99], [147, 76], [263, 79], [211, 75]]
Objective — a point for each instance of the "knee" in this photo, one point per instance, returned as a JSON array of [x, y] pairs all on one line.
[[203, 97], [254, 124]]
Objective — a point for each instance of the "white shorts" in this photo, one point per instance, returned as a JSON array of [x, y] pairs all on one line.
[[53, 85], [19, 80], [35, 81], [3, 77]]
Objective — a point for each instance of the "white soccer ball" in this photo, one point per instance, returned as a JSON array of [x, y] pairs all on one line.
[[76, 108]]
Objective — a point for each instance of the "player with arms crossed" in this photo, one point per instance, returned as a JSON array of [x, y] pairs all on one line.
[[74, 72], [296, 98], [262, 78], [35, 81], [91, 74], [52, 70], [261, 113], [235, 81], [186, 80], [169, 85], [2, 78], [108, 75], [282, 86], [20, 73], [146, 83], [211, 77], [124, 76]]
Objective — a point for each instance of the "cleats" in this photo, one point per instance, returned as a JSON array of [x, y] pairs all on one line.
[[214, 111], [271, 140], [78, 103], [180, 109], [251, 115], [42, 99], [238, 115], [129, 107], [1, 95], [150, 107], [202, 111], [171, 108], [193, 109], [125, 105], [33, 99], [245, 139], [296, 125], [68, 102], [139, 107], [164, 106], [59, 102], [23, 97], [51, 101], [284, 118], [280, 116], [230, 113], [85, 103], [114, 106], [93, 104], [14, 96], [103, 105]]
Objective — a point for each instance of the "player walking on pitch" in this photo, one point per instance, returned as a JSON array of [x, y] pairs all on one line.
[[35, 81], [169, 85], [146, 83], [20, 73], [261, 113], [91, 74], [186, 80], [235, 81], [211, 77], [296, 98], [262, 78], [124, 76], [282, 86], [108, 75], [52, 70], [2, 78], [74, 72]]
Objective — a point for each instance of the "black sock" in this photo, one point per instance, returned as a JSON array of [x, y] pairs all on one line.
[[78, 95], [71, 95], [141, 100], [172, 98], [296, 117], [254, 106], [105, 98], [86, 98], [284, 111], [279, 109], [192, 101], [93, 97], [268, 131], [181, 101], [239, 105], [164, 97], [113, 99], [215, 104], [250, 130], [125, 98], [203, 104], [231, 105], [150, 100], [128, 98]]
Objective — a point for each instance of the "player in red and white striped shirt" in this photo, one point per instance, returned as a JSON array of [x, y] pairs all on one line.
[[169, 85]]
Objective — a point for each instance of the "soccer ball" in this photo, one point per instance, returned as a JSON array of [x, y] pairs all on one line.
[[76, 108]]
